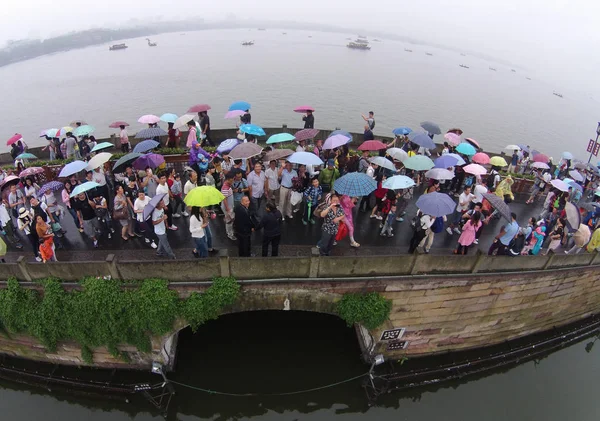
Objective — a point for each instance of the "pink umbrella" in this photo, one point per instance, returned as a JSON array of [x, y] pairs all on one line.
[[117, 124], [541, 165], [335, 141], [14, 139], [540, 157], [481, 158], [473, 142], [31, 171], [7, 181], [474, 169], [151, 160], [303, 109], [148, 119], [234, 113], [306, 134], [453, 138], [372, 145], [198, 108]]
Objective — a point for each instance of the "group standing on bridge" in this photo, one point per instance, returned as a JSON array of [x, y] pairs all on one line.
[[322, 180]]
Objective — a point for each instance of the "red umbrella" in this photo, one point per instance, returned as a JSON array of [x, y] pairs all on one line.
[[14, 139], [372, 145], [306, 134], [540, 157], [31, 171], [117, 124], [303, 109], [473, 142], [481, 158], [198, 108]]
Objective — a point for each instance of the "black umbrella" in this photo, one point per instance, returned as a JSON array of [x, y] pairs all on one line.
[[124, 161], [498, 204], [431, 127], [150, 132]]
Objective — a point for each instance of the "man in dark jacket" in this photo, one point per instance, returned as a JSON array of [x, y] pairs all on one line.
[[243, 226], [271, 223]]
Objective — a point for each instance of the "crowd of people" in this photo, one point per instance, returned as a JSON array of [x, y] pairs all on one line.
[[261, 195]]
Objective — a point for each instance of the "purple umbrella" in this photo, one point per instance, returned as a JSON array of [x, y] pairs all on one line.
[[335, 141], [151, 160], [445, 161], [303, 109], [227, 145], [436, 204], [52, 186], [149, 208], [306, 134]]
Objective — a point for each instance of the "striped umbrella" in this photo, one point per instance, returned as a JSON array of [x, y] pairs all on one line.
[[306, 134], [31, 171], [355, 184], [150, 132]]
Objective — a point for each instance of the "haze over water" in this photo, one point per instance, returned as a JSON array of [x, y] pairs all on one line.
[[281, 72]]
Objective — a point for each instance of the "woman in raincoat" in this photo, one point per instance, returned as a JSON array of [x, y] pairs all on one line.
[[348, 204], [503, 190], [594, 243], [538, 237]]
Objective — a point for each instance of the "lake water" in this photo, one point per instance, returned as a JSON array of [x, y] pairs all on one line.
[[270, 352], [281, 72]]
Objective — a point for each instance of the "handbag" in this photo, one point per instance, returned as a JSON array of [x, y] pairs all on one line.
[[342, 232], [295, 198], [120, 214]]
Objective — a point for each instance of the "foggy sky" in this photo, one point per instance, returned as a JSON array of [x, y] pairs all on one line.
[[558, 39]]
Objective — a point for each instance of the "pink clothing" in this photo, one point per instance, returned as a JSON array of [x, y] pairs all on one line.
[[347, 206], [65, 198], [124, 137], [191, 137], [468, 233]]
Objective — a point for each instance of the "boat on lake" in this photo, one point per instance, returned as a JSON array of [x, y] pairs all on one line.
[[248, 43], [492, 69], [528, 78], [557, 94], [463, 66], [358, 45], [513, 70], [117, 47], [150, 43], [407, 50], [428, 54]]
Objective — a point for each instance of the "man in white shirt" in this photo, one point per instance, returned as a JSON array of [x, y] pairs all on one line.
[[479, 191], [192, 183], [7, 228], [272, 176], [124, 137], [158, 220], [464, 202], [163, 187], [300, 147], [257, 187], [99, 177], [138, 208]]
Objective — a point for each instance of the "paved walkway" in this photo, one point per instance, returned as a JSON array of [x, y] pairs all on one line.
[[296, 239]]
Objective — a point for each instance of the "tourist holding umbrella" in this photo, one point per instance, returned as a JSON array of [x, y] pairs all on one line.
[[502, 241], [26, 223], [309, 119], [66, 199], [332, 216]]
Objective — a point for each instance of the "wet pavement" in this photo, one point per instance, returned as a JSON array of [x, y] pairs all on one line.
[[296, 239]]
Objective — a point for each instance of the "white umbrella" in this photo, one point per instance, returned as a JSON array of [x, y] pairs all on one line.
[[183, 121], [541, 165], [460, 159], [439, 174], [99, 159], [513, 147], [304, 158], [383, 162], [397, 153], [576, 175], [560, 185]]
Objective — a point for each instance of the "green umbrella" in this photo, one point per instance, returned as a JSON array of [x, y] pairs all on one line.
[[26, 155], [203, 196], [102, 146], [124, 161], [418, 163], [280, 137]]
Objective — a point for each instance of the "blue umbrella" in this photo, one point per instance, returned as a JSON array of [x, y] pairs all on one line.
[[466, 149], [280, 137], [460, 159], [436, 204], [355, 184], [149, 208], [72, 168], [227, 145], [145, 146], [342, 132], [422, 139], [84, 130], [524, 148], [567, 155], [101, 146], [168, 117], [402, 131], [26, 155], [150, 132], [239, 105], [52, 186], [252, 129], [431, 127], [82, 188], [445, 161], [51, 132], [398, 182], [304, 158]]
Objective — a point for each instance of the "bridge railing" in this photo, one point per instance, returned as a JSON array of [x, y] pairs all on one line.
[[312, 267]]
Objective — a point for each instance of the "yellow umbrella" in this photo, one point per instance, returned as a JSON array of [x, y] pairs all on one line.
[[203, 196], [498, 161]]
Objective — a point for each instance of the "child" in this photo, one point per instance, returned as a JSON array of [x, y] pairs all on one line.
[[47, 250], [177, 191], [389, 220]]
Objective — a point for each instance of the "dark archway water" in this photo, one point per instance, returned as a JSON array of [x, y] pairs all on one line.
[[276, 351]]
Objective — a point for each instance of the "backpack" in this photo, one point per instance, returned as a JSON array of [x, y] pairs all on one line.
[[490, 180], [415, 223], [372, 125], [364, 169], [438, 225]]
